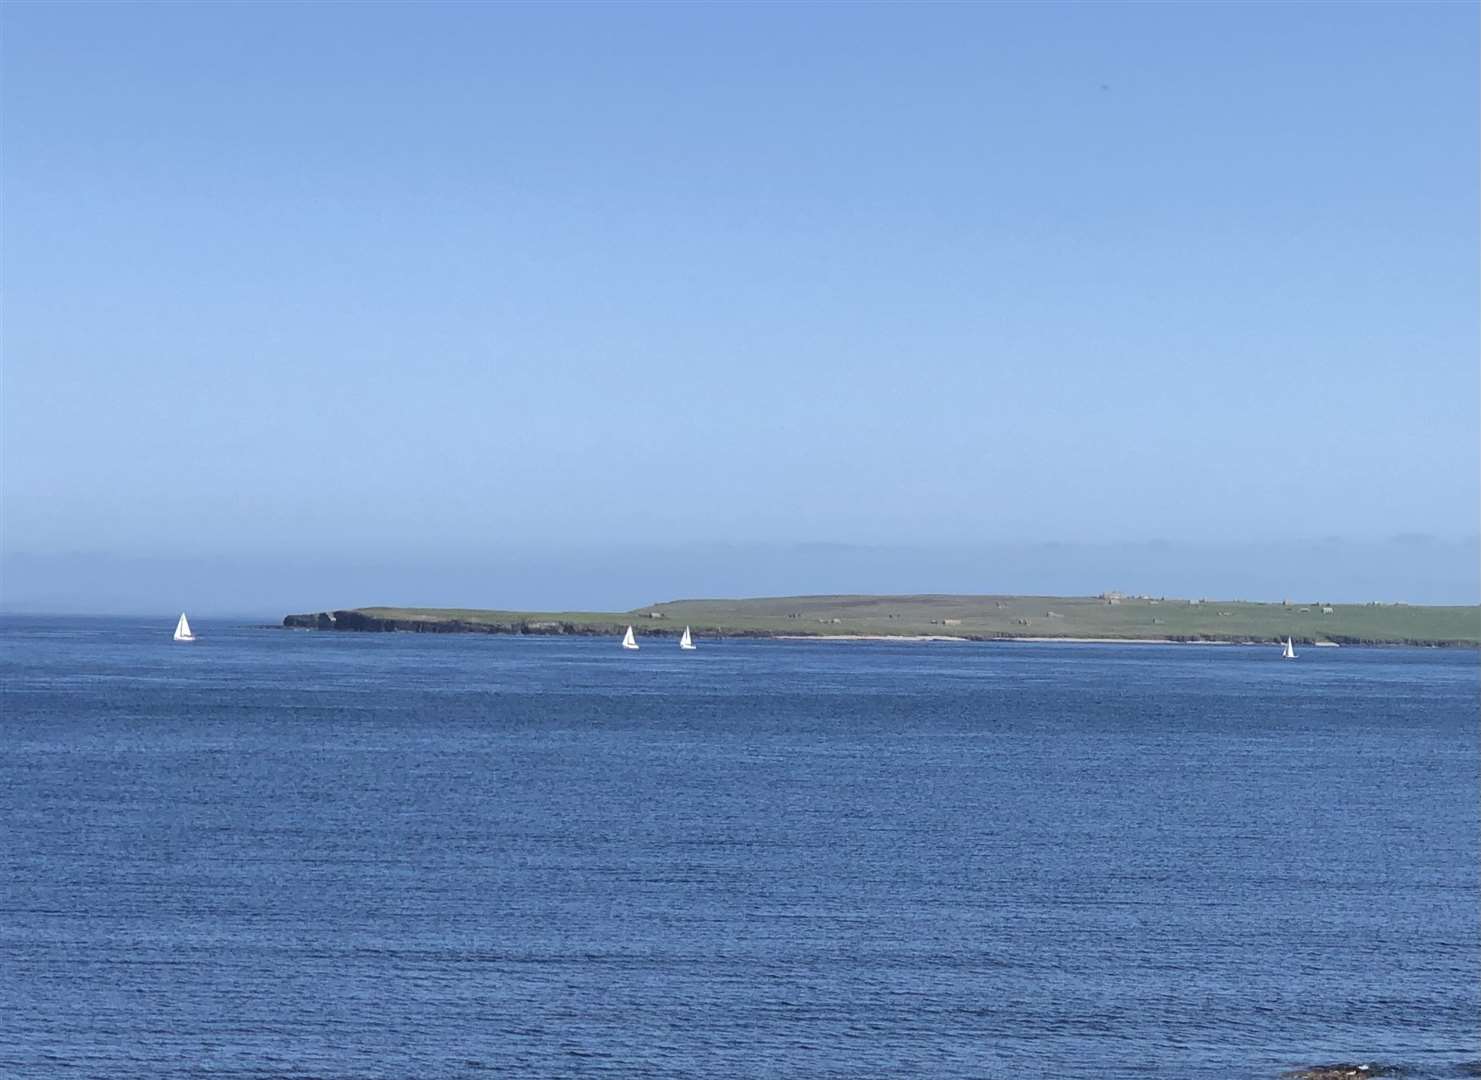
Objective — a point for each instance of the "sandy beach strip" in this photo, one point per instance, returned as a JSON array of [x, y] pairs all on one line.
[[991, 640], [869, 637], [1131, 641]]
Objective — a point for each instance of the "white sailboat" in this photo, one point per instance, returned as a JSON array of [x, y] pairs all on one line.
[[628, 640], [686, 642], [1289, 652], [182, 629]]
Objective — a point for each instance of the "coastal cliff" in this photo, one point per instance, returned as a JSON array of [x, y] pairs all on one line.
[[1110, 617], [364, 622]]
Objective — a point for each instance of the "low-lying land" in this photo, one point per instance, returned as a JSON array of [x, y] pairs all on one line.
[[975, 618]]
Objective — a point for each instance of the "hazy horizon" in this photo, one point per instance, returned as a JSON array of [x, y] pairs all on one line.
[[626, 577]]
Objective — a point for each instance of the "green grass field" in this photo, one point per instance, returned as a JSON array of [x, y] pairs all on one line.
[[985, 617]]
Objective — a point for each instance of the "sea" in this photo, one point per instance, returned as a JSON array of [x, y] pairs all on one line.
[[296, 854]]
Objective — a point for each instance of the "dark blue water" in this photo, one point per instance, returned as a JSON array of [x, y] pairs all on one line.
[[292, 854]]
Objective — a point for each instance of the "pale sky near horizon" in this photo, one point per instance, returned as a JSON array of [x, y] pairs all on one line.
[[408, 286]]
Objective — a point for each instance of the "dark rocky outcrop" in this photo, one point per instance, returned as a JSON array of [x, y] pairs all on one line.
[[359, 621], [1342, 1071]]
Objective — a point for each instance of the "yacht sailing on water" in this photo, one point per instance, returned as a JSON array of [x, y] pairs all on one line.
[[182, 629], [628, 640], [686, 642], [1289, 652]]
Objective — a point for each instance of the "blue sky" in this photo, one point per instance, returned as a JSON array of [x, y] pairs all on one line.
[[444, 290]]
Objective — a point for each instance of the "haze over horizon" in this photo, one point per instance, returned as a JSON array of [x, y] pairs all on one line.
[[593, 306], [621, 578]]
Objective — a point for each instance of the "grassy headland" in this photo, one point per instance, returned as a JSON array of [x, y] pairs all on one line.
[[971, 617]]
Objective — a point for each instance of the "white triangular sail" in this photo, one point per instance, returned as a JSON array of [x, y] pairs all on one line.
[[1289, 652], [629, 641], [686, 642], [182, 629]]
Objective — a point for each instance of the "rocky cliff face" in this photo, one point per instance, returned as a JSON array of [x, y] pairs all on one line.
[[359, 621], [338, 620]]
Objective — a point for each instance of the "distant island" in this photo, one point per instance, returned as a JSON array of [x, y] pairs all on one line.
[[1109, 617]]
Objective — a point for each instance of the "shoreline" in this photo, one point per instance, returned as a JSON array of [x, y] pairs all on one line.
[[875, 637], [925, 619], [985, 640], [916, 639], [926, 638]]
